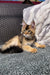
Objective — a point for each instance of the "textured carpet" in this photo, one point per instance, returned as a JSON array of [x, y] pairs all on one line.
[[26, 63]]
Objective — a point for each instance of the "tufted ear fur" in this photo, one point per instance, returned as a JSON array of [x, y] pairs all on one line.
[[33, 24], [23, 26], [23, 23]]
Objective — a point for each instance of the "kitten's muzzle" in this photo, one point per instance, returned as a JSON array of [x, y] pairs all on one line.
[[27, 36]]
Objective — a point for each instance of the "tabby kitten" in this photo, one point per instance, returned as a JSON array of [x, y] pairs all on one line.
[[24, 41]]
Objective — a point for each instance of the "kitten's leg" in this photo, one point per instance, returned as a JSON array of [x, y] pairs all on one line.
[[29, 49], [39, 45], [12, 42]]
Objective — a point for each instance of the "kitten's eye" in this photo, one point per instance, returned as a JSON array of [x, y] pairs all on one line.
[[24, 30], [29, 31]]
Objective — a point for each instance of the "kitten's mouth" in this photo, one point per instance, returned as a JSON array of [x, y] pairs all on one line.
[[27, 36]]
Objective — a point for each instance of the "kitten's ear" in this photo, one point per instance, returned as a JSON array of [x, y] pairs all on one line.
[[23, 26], [33, 24]]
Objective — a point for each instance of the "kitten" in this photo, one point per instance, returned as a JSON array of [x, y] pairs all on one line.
[[24, 41]]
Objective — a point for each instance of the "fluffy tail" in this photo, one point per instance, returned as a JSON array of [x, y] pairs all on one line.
[[12, 42]]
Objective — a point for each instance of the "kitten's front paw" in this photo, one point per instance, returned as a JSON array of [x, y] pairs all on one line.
[[29, 49], [39, 45], [34, 50]]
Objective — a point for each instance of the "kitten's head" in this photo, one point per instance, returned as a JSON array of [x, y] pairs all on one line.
[[28, 31]]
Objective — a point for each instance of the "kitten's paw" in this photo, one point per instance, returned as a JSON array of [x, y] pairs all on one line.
[[42, 46], [34, 50], [39, 45], [29, 49]]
